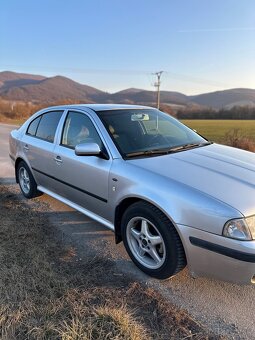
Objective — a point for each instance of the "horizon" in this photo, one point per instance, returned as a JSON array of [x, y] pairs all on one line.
[[114, 46], [129, 88]]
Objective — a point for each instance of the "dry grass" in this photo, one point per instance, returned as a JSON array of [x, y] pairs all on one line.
[[239, 139], [45, 293], [102, 322], [10, 121]]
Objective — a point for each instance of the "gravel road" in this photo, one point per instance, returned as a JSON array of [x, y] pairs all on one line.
[[224, 308], [6, 168]]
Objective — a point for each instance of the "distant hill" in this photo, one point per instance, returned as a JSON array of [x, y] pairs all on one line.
[[130, 90], [40, 89], [226, 98], [11, 79], [148, 97]]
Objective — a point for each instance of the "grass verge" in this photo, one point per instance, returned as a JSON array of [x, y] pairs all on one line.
[[45, 293], [12, 121]]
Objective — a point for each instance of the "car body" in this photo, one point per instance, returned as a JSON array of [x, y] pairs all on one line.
[[173, 198]]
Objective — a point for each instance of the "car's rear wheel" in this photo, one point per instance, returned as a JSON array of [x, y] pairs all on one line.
[[26, 181], [152, 241]]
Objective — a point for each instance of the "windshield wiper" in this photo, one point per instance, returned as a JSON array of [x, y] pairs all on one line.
[[189, 146], [166, 151], [148, 153]]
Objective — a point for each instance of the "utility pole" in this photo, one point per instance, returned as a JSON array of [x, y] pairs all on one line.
[[157, 85]]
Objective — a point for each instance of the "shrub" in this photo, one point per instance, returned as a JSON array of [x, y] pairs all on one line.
[[238, 139]]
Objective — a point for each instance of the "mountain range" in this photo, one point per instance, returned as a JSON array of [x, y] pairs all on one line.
[[39, 89]]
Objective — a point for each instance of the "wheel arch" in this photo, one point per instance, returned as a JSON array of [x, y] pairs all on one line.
[[121, 207], [33, 191], [175, 255], [127, 202], [17, 162]]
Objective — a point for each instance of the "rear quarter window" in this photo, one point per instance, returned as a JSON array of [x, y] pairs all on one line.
[[33, 126]]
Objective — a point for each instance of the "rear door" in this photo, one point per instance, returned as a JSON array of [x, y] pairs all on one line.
[[82, 179], [38, 145]]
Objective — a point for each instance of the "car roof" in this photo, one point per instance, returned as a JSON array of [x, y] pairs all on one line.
[[100, 107]]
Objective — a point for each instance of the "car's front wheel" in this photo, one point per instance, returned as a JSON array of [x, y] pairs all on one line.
[[26, 181], [152, 241]]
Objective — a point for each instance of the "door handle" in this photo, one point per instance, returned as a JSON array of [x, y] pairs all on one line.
[[26, 147], [58, 159]]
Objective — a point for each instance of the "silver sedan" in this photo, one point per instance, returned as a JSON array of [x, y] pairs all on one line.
[[173, 197]]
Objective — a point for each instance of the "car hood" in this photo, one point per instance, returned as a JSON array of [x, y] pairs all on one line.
[[225, 173]]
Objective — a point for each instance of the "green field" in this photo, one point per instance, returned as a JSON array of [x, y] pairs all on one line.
[[216, 130]]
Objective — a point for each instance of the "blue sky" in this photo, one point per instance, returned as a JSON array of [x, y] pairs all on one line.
[[201, 45]]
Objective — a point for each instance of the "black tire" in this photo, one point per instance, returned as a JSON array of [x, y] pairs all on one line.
[[170, 252], [28, 187]]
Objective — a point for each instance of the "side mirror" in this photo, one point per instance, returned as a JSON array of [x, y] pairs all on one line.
[[87, 149]]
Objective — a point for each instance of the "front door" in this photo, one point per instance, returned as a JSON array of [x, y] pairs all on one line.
[[81, 179]]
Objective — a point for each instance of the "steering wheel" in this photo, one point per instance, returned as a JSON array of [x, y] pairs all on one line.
[[157, 139]]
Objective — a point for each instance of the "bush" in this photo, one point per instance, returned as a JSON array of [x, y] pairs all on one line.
[[238, 139]]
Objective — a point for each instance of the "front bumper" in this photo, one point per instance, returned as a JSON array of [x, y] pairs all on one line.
[[218, 257]]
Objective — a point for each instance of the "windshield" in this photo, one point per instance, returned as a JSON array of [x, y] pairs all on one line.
[[141, 132]]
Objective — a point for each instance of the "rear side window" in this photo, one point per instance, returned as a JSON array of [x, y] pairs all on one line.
[[45, 126]]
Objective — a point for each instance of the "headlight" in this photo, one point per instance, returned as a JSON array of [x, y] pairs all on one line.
[[240, 229], [250, 221]]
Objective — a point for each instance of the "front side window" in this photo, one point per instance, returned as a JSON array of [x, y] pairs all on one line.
[[146, 132], [79, 129]]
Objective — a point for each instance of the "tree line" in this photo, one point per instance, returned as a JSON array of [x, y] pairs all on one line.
[[236, 112], [22, 110]]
